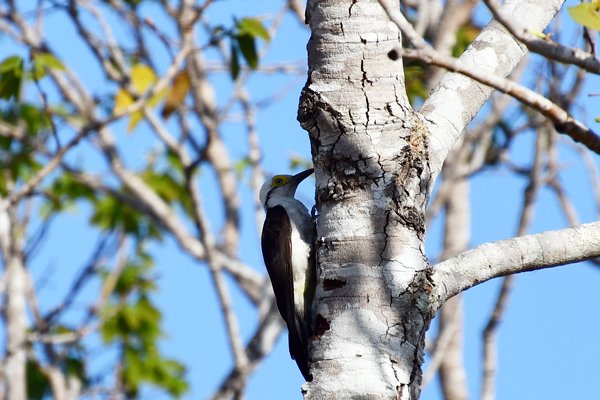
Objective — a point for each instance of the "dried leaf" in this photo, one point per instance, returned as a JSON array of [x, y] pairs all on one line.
[[176, 94]]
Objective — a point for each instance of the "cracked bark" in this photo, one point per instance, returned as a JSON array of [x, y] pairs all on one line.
[[370, 156], [375, 160]]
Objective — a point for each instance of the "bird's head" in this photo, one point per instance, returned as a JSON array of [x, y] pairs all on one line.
[[282, 186]]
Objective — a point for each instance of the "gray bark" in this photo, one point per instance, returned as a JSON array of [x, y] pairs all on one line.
[[375, 159], [370, 156]]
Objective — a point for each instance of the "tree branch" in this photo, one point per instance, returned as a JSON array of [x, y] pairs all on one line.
[[456, 99], [520, 254], [561, 119], [546, 47]]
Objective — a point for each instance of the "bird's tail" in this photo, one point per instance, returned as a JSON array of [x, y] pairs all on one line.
[[298, 343]]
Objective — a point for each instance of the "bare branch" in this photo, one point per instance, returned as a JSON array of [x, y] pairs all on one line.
[[233, 332], [250, 280], [448, 353], [50, 166], [546, 47], [260, 345], [562, 121], [490, 359], [456, 99], [520, 254]]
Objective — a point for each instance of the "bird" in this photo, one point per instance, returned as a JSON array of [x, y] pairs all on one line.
[[287, 243]]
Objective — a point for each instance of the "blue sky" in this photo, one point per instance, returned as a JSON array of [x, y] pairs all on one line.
[[547, 341]]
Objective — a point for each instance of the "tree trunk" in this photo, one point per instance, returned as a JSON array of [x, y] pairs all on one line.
[[15, 283], [370, 154]]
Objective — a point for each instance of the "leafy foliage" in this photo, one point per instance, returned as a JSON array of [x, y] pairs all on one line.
[[132, 322], [113, 214], [414, 75], [43, 62], [38, 386], [464, 37], [11, 76], [18, 157], [168, 187], [13, 72], [243, 41]]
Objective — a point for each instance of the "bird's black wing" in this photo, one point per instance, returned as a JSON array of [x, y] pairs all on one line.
[[277, 253]]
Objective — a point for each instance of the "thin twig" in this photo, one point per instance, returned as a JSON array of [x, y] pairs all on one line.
[[546, 47]]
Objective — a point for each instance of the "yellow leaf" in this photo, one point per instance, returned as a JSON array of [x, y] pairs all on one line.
[[177, 93], [122, 101], [142, 78], [587, 14]]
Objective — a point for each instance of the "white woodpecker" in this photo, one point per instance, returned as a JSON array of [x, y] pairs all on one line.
[[288, 250]]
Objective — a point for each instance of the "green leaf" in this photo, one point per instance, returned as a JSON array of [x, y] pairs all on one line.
[[234, 65], [49, 61], [63, 194], [297, 162], [75, 366], [170, 374], [111, 214], [133, 371], [10, 64], [134, 277], [11, 76], [67, 187], [241, 165], [43, 61], [254, 28], [465, 35], [164, 185], [247, 46], [132, 322], [35, 119], [22, 165], [415, 78], [168, 188], [175, 163], [38, 386], [37, 72]]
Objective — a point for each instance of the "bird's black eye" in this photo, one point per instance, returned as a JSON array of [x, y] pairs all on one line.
[[279, 180]]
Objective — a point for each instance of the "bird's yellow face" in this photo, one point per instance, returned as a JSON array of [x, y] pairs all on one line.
[[279, 180], [281, 186]]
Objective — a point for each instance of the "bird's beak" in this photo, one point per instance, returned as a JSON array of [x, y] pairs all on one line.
[[296, 179]]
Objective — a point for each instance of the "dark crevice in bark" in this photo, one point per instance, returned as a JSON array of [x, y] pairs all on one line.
[[321, 326], [332, 284]]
